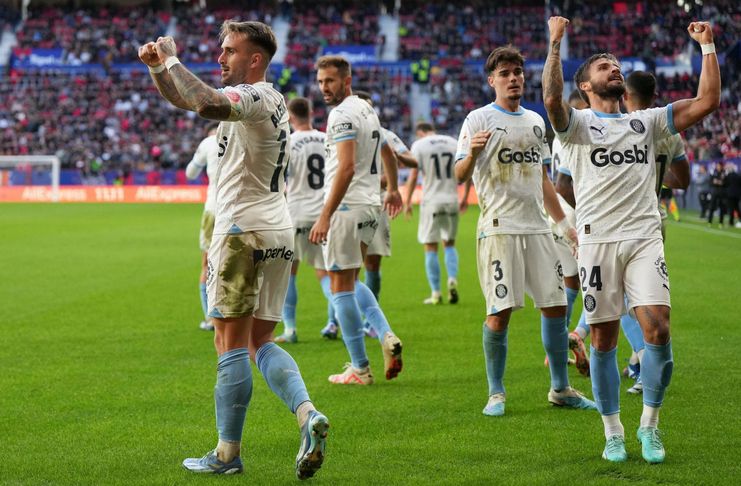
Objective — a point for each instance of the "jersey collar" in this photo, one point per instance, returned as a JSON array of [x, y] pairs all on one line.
[[519, 111], [607, 115]]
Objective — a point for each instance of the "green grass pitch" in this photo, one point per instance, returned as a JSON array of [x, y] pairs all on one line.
[[105, 377]]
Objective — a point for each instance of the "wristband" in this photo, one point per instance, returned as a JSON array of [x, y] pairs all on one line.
[[707, 48], [156, 69], [564, 226], [171, 61]]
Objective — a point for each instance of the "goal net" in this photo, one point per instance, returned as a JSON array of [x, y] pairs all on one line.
[[31, 170]]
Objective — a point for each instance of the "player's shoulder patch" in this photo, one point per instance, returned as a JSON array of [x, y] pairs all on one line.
[[637, 126], [250, 90]]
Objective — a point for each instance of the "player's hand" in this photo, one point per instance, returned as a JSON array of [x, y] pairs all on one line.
[[478, 142], [392, 203], [701, 32], [557, 27], [573, 240], [319, 232], [166, 48], [408, 212], [148, 55], [463, 205]]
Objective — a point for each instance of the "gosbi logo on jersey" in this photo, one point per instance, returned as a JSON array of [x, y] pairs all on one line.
[[222, 146], [601, 157], [508, 156], [272, 253]]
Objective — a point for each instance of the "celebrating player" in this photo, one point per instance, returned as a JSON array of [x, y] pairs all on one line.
[[249, 259], [612, 156], [502, 146]]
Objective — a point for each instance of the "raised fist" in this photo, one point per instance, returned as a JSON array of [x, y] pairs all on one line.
[[148, 55], [557, 27], [165, 48], [701, 32]]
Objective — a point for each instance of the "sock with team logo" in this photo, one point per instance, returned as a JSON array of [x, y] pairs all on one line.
[[582, 329], [282, 375], [351, 324], [656, 372], [555, 336], [633, 332], [495, 357], [232, 393], [371, 310], [451, 262], [432, 266], [328, 294], [289, 306], [373, 282], [605, 374], [571, 295], [204, 299]]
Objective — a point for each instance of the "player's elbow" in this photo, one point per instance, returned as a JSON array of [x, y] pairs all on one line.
[[552, 102]]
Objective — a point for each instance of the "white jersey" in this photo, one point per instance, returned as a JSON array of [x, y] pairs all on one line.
[[395, 141], [355, 119], [305, 175], [435, 155], [250, 182], [557, 159], [508, 175], [206, 156], [612, 160]]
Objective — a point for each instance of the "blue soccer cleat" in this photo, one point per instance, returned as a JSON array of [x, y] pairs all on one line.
[[571, 398], [652, 448], [495, 406], [210, 464], [330, 330], [615, 449], [313, 441], [632, 371]]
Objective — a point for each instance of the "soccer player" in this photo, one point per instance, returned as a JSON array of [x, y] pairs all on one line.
[[502, 146], [350, 216], [621, 252], [305, 188], [206, 157], [438, 211], [249, 259]]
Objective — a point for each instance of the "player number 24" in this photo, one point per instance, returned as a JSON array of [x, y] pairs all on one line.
[[595, 278]]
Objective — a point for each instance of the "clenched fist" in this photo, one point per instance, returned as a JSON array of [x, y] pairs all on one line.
[[557, 27]]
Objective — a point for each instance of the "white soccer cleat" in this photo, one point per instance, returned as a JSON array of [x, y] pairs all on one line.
[[352, 376], [495, 406]]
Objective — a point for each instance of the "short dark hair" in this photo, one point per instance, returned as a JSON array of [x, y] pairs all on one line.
[[255, 32], [582, 74], [423, 126], [211, 126], [300, 108], [642, 85], [363, 95], [339, 62], [508, 53]]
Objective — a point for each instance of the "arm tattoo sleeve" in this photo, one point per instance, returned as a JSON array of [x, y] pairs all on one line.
[[200, 97], [164, 85], [558, 111]]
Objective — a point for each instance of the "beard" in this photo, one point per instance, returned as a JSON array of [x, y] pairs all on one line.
[[604, 90], [337, 97]]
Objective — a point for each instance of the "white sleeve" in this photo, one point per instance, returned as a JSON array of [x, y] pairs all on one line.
[[198, 163], [464, 140], [343, 127], [662, 122], [574, 128], [245, 101]]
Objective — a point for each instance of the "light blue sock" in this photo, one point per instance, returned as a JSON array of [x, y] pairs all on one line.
[[432, 267], [289, 306], [571, 295], [371, 310], [204, 299], [351, 325], [328, 294], [232, 393], [495, 356], [656, 372], [451, 262], [555, 336], [633, 332], [583, 323], [605, 374], [373, 281], [282, 375]]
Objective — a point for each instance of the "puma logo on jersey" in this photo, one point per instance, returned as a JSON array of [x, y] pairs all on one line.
[[597, 129], [601, 157], [507, 156], [497, 129]]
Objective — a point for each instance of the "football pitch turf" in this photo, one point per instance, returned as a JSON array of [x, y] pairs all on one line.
[[106, 379]]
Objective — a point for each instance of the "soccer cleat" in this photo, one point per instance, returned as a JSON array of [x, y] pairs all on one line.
[[571, 398], [637, 388], [495, 406], [615, 449], [330, 331], [206, 326], [434, 299], [452, 292], [286, 337], [392, 363], [210, 464], [581, 360], [632, 370], [652, 448], [369, 331], [313, 441], [351, 376]]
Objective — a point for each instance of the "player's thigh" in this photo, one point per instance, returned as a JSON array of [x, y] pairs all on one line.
[[646, 277], [380, 245], [501, 272], [304, 250], [207, 230], [428, 230], [275, 257], [348, 230], [449, 223], [232, 282], [601, 279], [543, 271]]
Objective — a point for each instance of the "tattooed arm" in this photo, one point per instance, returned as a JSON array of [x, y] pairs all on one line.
[[558, 110], [162, 81]]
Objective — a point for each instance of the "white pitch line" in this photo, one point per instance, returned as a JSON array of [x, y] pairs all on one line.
[[708, 230]]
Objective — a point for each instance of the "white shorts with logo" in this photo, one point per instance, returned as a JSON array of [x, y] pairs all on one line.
[[248, 274], [349, 228], [563, 252], [437, 222], [635, 268], [207, 230], [304, 250], [510, 265], [381, 243]]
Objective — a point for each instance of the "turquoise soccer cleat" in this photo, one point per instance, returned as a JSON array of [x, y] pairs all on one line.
[[495, 405], [652, 448], [210, 464], [313, 441], [615, 449], [571, 398]]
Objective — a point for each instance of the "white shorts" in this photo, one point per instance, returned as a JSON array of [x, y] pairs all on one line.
[[347, 230], [510, 265], [381, 243], [608, 271], [563, 252], [207, 230], [437, 222], [304, 250], [248, 274]]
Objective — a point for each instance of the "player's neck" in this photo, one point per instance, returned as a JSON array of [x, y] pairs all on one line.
[[303, 127], [605, 105], [507, 104]]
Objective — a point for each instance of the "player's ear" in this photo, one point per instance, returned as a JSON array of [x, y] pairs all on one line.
[[490, 79], [585, 86]]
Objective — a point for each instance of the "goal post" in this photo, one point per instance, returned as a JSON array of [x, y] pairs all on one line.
[[13, 161]]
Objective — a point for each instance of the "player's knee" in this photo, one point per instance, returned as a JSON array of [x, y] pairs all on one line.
[[656, 329]]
